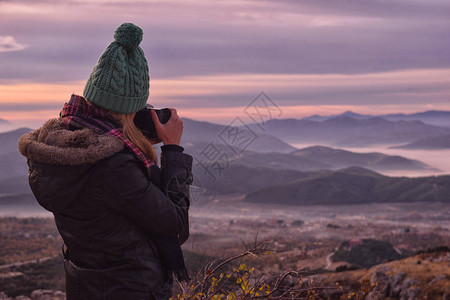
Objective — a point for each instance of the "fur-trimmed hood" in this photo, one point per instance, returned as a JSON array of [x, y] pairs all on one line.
[[53, 144], [60, 161]]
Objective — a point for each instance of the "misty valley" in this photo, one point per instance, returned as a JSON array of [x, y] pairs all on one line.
[[358, 204]]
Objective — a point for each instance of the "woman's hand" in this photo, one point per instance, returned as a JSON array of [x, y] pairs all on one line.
[[170, 132]]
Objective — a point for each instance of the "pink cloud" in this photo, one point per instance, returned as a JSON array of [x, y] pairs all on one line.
[[8, 43]]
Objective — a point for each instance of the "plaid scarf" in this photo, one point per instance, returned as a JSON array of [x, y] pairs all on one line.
[[78, 114]]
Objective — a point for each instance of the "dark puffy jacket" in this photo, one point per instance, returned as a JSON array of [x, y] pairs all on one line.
[[107, 209]]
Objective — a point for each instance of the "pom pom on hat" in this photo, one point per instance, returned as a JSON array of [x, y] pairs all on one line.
[[128, 35]]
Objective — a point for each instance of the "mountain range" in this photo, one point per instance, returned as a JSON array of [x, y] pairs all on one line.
[[306, 159], [344, 131], [431, 117], [201, 139], [282, 185], [267, 161]]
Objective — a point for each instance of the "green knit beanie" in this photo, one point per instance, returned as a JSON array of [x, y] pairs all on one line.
[[120, 81]]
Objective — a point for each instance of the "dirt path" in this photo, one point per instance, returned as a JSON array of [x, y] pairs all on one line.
[[33, 261], [328, 260]]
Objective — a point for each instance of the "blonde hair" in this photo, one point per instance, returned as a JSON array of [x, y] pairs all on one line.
[[134, 134], [131, 132]]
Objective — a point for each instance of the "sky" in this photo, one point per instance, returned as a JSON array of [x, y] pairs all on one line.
[[210, 59]]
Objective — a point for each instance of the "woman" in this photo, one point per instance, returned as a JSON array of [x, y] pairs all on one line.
[[122, 218]]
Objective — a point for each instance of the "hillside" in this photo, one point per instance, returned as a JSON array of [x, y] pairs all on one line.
[[364, 253], [431, 143], [352, 186]]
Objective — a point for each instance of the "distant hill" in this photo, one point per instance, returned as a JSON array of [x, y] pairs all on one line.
[[15, 192], [249, 171], [241, 179], [8, 140], [338, 158], [347, 131], [275, 160], [3, 121], [350, 114], [249, 158], [14, 185], [242, 172], [262, 182], [19, 200], [432, 143], [354, 186], [12, 163], [431, 117], [206, 132], [321, 157]]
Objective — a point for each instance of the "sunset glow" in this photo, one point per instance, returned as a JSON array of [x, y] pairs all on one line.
[[211, 59]]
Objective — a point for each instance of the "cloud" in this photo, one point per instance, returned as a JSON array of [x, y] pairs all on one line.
[[228, 37], [341, 52], [238, 90], [8, 43], [193, 48], [223, 97], [380, 9]]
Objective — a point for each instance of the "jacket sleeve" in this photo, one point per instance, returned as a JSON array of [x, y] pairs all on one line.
[[177, 176], [157, 211]]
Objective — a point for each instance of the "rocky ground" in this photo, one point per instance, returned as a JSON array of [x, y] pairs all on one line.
[[423, 276], [37, 295], [301, 238]]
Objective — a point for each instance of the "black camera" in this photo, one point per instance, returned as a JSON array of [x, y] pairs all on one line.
[[143, 120]]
